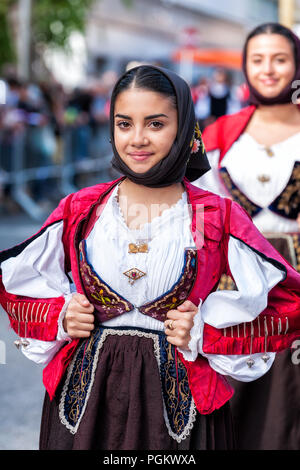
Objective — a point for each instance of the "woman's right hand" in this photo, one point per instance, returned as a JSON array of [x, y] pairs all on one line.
[[79, 318]]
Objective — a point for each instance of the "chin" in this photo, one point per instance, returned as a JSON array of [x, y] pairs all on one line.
[[271, 92], [139, 170]]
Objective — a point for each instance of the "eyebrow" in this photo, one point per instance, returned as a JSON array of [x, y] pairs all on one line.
[[152, 116], [262, 54]]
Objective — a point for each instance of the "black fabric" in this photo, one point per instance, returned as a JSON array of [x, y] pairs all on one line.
[[266, 412], [182, 159]]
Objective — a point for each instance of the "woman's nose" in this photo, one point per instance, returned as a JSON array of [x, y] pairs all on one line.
[[267, 66], [139, 138]]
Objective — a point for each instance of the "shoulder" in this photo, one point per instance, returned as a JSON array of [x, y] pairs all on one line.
[[215, 134], [198, 195], [210, 208], [86, 196], [79, 203]]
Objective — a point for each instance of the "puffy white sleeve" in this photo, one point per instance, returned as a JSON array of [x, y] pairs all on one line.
[[38, 272], [254, 277], [211, 180]]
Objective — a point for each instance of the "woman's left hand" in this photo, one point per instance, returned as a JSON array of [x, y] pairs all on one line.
[[179, 324], [298, 220]]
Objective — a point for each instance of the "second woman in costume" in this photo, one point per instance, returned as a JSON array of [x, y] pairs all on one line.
[[255, 161]]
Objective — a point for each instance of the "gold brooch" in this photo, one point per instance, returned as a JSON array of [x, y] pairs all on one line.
[[263, 178], [134, 274], [269, 152], [138, 248]]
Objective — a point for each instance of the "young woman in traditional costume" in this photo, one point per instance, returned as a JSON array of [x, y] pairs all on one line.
[[255, 160], [136, 357]]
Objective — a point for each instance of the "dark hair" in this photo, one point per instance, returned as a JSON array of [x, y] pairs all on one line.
[[273, 28], [147, 78]]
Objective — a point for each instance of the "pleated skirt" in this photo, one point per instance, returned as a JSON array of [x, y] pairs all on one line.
[[126, 389]]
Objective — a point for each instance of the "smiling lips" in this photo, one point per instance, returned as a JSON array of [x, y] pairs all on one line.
[[269, 81], [140, 156]]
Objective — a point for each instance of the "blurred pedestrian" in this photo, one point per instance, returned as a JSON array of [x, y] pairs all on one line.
[[201, 98], [255, 161], [219, 93], [136, 357]]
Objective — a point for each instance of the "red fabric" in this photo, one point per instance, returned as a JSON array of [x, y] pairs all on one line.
[[209, 389], [54, 371], [226, 130], [26, 314]]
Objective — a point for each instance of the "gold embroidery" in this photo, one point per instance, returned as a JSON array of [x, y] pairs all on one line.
[[290, 197], [296, 242], [237, 195]]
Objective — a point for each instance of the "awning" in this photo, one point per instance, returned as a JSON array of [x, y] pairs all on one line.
[[215, 57]]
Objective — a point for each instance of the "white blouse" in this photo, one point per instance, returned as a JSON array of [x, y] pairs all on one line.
[[246, 162], [38, 273]]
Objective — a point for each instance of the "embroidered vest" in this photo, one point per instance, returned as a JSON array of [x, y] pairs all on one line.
[[109, 304], [287, 204]]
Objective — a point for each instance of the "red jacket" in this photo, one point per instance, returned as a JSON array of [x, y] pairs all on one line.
[[226, 130], [222, 218]]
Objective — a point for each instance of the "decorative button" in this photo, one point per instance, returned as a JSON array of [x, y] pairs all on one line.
[[21, 342], [250, 362], [264, 178], [269, 151]]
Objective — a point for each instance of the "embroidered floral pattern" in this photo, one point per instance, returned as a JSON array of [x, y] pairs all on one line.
[[287, 203], [296, 243], [179, 406], [237, 195], [197, 140], [196, 145], [107, 302], [178, 293], [79, 382]]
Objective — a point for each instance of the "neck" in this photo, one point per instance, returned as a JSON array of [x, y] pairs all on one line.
[[139, 192], [278, 112]]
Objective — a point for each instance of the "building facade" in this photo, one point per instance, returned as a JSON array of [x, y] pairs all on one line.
[[152, 31]]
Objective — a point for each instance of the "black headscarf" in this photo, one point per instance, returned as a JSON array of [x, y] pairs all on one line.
[[187, 156], [285, 96]]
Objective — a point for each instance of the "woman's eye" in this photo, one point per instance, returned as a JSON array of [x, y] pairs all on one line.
[[156, 124], [123, 124]]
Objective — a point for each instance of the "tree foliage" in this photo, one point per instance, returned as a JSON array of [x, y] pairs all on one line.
[[54, 20], [52, 23], [7, 49]]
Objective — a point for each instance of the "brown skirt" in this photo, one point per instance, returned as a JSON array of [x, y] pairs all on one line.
[[117, 395]]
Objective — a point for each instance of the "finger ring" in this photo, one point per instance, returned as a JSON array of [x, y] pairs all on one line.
[[171, 327]]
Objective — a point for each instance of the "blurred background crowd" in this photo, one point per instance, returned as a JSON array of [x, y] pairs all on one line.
[[59, 61]]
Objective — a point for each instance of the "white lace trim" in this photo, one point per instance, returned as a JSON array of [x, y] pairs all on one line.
[[158, 222], [105, 333]]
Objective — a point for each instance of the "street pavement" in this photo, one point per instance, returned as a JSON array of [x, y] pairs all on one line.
[[21, 388]]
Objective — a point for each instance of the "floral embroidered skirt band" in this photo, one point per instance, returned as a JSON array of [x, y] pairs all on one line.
[[126, 389]]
